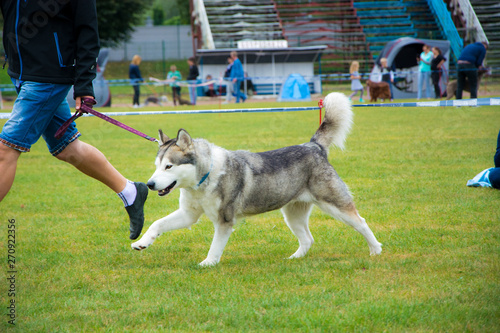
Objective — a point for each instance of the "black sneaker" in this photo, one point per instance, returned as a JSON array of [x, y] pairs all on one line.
[[136, 210]]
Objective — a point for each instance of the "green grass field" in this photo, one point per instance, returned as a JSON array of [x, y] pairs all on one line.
[[407, 168]]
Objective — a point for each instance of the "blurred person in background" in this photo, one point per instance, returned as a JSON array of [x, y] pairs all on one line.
[[134, 74]]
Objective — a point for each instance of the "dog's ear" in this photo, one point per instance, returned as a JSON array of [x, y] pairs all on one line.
[[184, 140], [163, 138]]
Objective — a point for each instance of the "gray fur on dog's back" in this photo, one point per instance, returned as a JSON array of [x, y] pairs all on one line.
[[269, 180], [261, 182]]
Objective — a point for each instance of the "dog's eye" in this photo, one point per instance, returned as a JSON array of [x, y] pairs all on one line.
[[168, 166]]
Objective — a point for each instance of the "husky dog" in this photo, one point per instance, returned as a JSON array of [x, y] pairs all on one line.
[[229, 185]]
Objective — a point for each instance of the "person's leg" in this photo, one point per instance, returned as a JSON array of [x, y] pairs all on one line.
[[420, 83], [8, 165], [242, 93], [460, 81], [192, 94], [435, 82], [174, 96], [236, 89], [178, 91], [441, 85], [427, 84], [32, 112], [472, 77], [494, 177], [93, 163], [178, 94], [229, 90], [496, 159], [136, 94], [90, 161]]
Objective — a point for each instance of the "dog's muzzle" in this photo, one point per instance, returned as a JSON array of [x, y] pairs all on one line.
[[152, 186]]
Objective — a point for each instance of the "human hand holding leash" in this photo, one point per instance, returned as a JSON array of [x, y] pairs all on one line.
[[89, 100], [84, 104]]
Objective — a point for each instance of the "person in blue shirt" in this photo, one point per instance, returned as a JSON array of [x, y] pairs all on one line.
[[470, 59], [135, 77], [424, 71], [237, 76]]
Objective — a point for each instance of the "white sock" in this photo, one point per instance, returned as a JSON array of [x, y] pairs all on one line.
[[128, 194]]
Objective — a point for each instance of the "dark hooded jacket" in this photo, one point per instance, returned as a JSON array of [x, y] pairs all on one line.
[[52, 41]]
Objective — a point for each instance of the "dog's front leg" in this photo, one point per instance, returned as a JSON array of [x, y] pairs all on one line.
[[222, 232], [177, 220]]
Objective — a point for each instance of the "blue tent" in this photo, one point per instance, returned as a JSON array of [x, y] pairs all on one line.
[[294, 89]]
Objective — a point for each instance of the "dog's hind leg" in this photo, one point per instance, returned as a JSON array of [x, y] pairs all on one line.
[[296, 216], [221, 236], [349, 215]]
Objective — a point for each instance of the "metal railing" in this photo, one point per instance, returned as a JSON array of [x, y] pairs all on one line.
[[447, 26], [474, 29]]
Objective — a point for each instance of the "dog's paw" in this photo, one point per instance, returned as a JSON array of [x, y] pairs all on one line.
[[139, 245], [376, 250], [208, 263], [296, 255]]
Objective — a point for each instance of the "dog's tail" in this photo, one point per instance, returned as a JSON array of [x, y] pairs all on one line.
[[337, 121]]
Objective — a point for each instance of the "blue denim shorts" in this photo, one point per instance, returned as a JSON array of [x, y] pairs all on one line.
[[39, 110]]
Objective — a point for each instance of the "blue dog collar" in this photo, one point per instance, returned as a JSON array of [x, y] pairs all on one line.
[[205, 176]]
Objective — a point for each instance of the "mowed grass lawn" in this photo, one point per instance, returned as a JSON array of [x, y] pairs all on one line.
[[407, 168]]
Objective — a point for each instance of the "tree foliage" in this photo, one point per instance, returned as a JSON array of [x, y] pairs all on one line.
[[176, 11], [117, 19], [183, 6], [158, 15]]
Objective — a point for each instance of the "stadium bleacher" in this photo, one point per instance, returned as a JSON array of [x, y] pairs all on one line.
[[351, 29], [330, 23], [231, 21], [354, 30], [488, 13]]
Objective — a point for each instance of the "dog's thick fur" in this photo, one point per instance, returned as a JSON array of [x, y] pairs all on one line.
[[451, 88], [228, 185], [378, 90]]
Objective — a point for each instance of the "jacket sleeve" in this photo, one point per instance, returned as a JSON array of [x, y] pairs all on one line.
[[86, 46], [480, 58]]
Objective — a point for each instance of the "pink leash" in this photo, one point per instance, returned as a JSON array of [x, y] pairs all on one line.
[[86, 107]]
